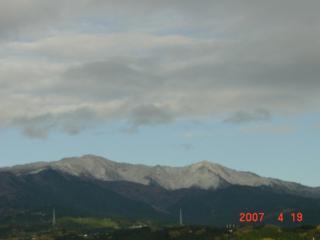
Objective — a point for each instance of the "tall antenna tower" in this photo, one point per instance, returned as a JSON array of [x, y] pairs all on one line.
[[54, 217], [180, 218]]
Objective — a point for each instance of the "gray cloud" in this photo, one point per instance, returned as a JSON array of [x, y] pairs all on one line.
[[155, 62], [105, 79], [32, 16], [153, 16], [72, 123], [150, 115], [244, 117]]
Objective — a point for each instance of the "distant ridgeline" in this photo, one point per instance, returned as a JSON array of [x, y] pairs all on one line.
[[207, 193]]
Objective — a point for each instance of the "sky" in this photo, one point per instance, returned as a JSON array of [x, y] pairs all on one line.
[[163, 82]]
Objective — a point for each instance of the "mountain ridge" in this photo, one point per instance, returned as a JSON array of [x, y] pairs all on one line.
[[203, 174], [94, 186]]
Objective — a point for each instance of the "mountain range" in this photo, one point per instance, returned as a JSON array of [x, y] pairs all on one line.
[[207, 193]]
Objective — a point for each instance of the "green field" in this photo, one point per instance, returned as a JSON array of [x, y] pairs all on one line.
[[70, 228]]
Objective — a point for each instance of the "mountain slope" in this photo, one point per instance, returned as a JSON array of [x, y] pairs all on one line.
[[203, 175], [92, 186], [37, 194], [71, 195]]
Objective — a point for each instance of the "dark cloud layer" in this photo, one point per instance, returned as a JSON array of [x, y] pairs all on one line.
[[70, 65]]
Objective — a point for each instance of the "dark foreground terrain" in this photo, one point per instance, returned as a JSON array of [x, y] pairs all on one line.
[[107, 229], [208, 194]]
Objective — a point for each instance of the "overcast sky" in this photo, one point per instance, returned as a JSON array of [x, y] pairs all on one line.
[[163, 82]]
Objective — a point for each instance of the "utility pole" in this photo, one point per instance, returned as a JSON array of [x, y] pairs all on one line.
[[180, 218], [54, 217]]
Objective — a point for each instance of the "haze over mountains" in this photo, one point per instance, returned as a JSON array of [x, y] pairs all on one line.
[[92, 185]]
